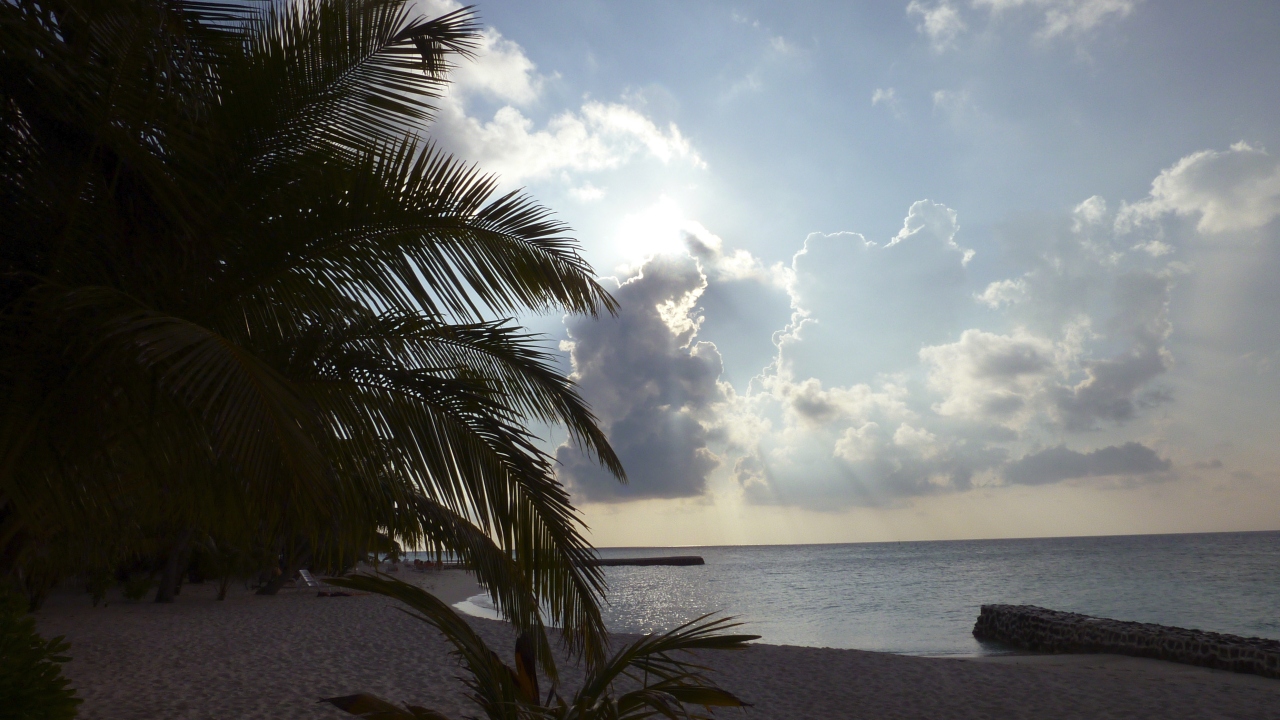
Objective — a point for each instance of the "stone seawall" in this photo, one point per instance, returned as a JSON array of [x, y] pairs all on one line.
[[1037, 628]]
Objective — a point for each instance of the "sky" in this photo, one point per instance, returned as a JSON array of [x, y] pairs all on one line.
[[915, 270]]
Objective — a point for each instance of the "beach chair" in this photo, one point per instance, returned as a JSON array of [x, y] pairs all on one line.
[[310, 583]]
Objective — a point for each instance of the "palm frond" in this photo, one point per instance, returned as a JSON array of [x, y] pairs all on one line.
[[254, 417], [492, 684], [227, 294], [342, 74], [668, 685], [404, 227]]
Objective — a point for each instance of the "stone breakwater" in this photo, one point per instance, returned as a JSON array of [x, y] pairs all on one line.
[[1037, 628]]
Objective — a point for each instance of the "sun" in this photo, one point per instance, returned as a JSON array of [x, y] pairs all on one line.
[[657, 230]]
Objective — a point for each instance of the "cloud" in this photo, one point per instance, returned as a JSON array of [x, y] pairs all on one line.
[[729, 266], [878, 387], [827, 448], [1011, 379], [954, 104], [1089, 213], [1003, 292], [744, 303], [887, 97], [1231, 191], [651, 384], [1106, 310], [586, 193], [941, 22], [830, 424], [1056, 464], [861, 307], [933, 219], [991, 377], [500, 71], [595, 137], [788, 438], [826, 452], [1111, 390], [598, 136], [1066, 17]]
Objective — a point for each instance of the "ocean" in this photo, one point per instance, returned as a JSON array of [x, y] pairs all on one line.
[[921, 598]]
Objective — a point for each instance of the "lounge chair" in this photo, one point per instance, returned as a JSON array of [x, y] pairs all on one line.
[[322, 589]]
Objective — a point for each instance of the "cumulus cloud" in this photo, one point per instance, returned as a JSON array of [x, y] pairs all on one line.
[[878, 388], [500, 71], [651, 384], [1003, 292], [827, 448], [825, 427], [744, 303], [1011, 379], [940, 22], [597, 136], [1059, 463], [1103, 307], [861, 307], [586, 193], [992, 377], [727, 265], [934, 219], [1089, 213], [873, 459], [788, 437], [1230, 191]]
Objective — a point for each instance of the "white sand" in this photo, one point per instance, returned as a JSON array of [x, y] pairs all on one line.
[[274, 657]]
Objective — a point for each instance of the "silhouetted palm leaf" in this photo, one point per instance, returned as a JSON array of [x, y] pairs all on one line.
[[241, 295], [665, 683]]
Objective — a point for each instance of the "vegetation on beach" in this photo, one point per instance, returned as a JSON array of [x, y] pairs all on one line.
[[252, 320], [647, 678], [247, 308], [31, 681]]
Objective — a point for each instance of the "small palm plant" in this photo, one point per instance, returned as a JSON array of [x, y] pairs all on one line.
[[664, 685]]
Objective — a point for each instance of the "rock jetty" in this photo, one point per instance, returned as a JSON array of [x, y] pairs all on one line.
[[1044, 630]]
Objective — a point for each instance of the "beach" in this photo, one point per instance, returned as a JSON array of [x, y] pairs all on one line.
[[275, 657]]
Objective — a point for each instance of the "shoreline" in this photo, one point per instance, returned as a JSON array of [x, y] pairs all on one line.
[[274, 657]]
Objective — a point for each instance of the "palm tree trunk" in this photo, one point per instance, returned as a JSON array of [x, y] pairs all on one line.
[[173, 567]]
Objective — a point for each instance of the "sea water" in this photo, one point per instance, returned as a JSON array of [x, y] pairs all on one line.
[[922, 597]]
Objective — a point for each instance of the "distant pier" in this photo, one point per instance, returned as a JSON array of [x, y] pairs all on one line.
[[667, 560]]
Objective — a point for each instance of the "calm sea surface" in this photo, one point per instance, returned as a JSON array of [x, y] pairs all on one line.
[[923, 597]]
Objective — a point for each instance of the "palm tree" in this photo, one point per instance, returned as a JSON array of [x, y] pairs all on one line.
[[244, 299], [662, 682]]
